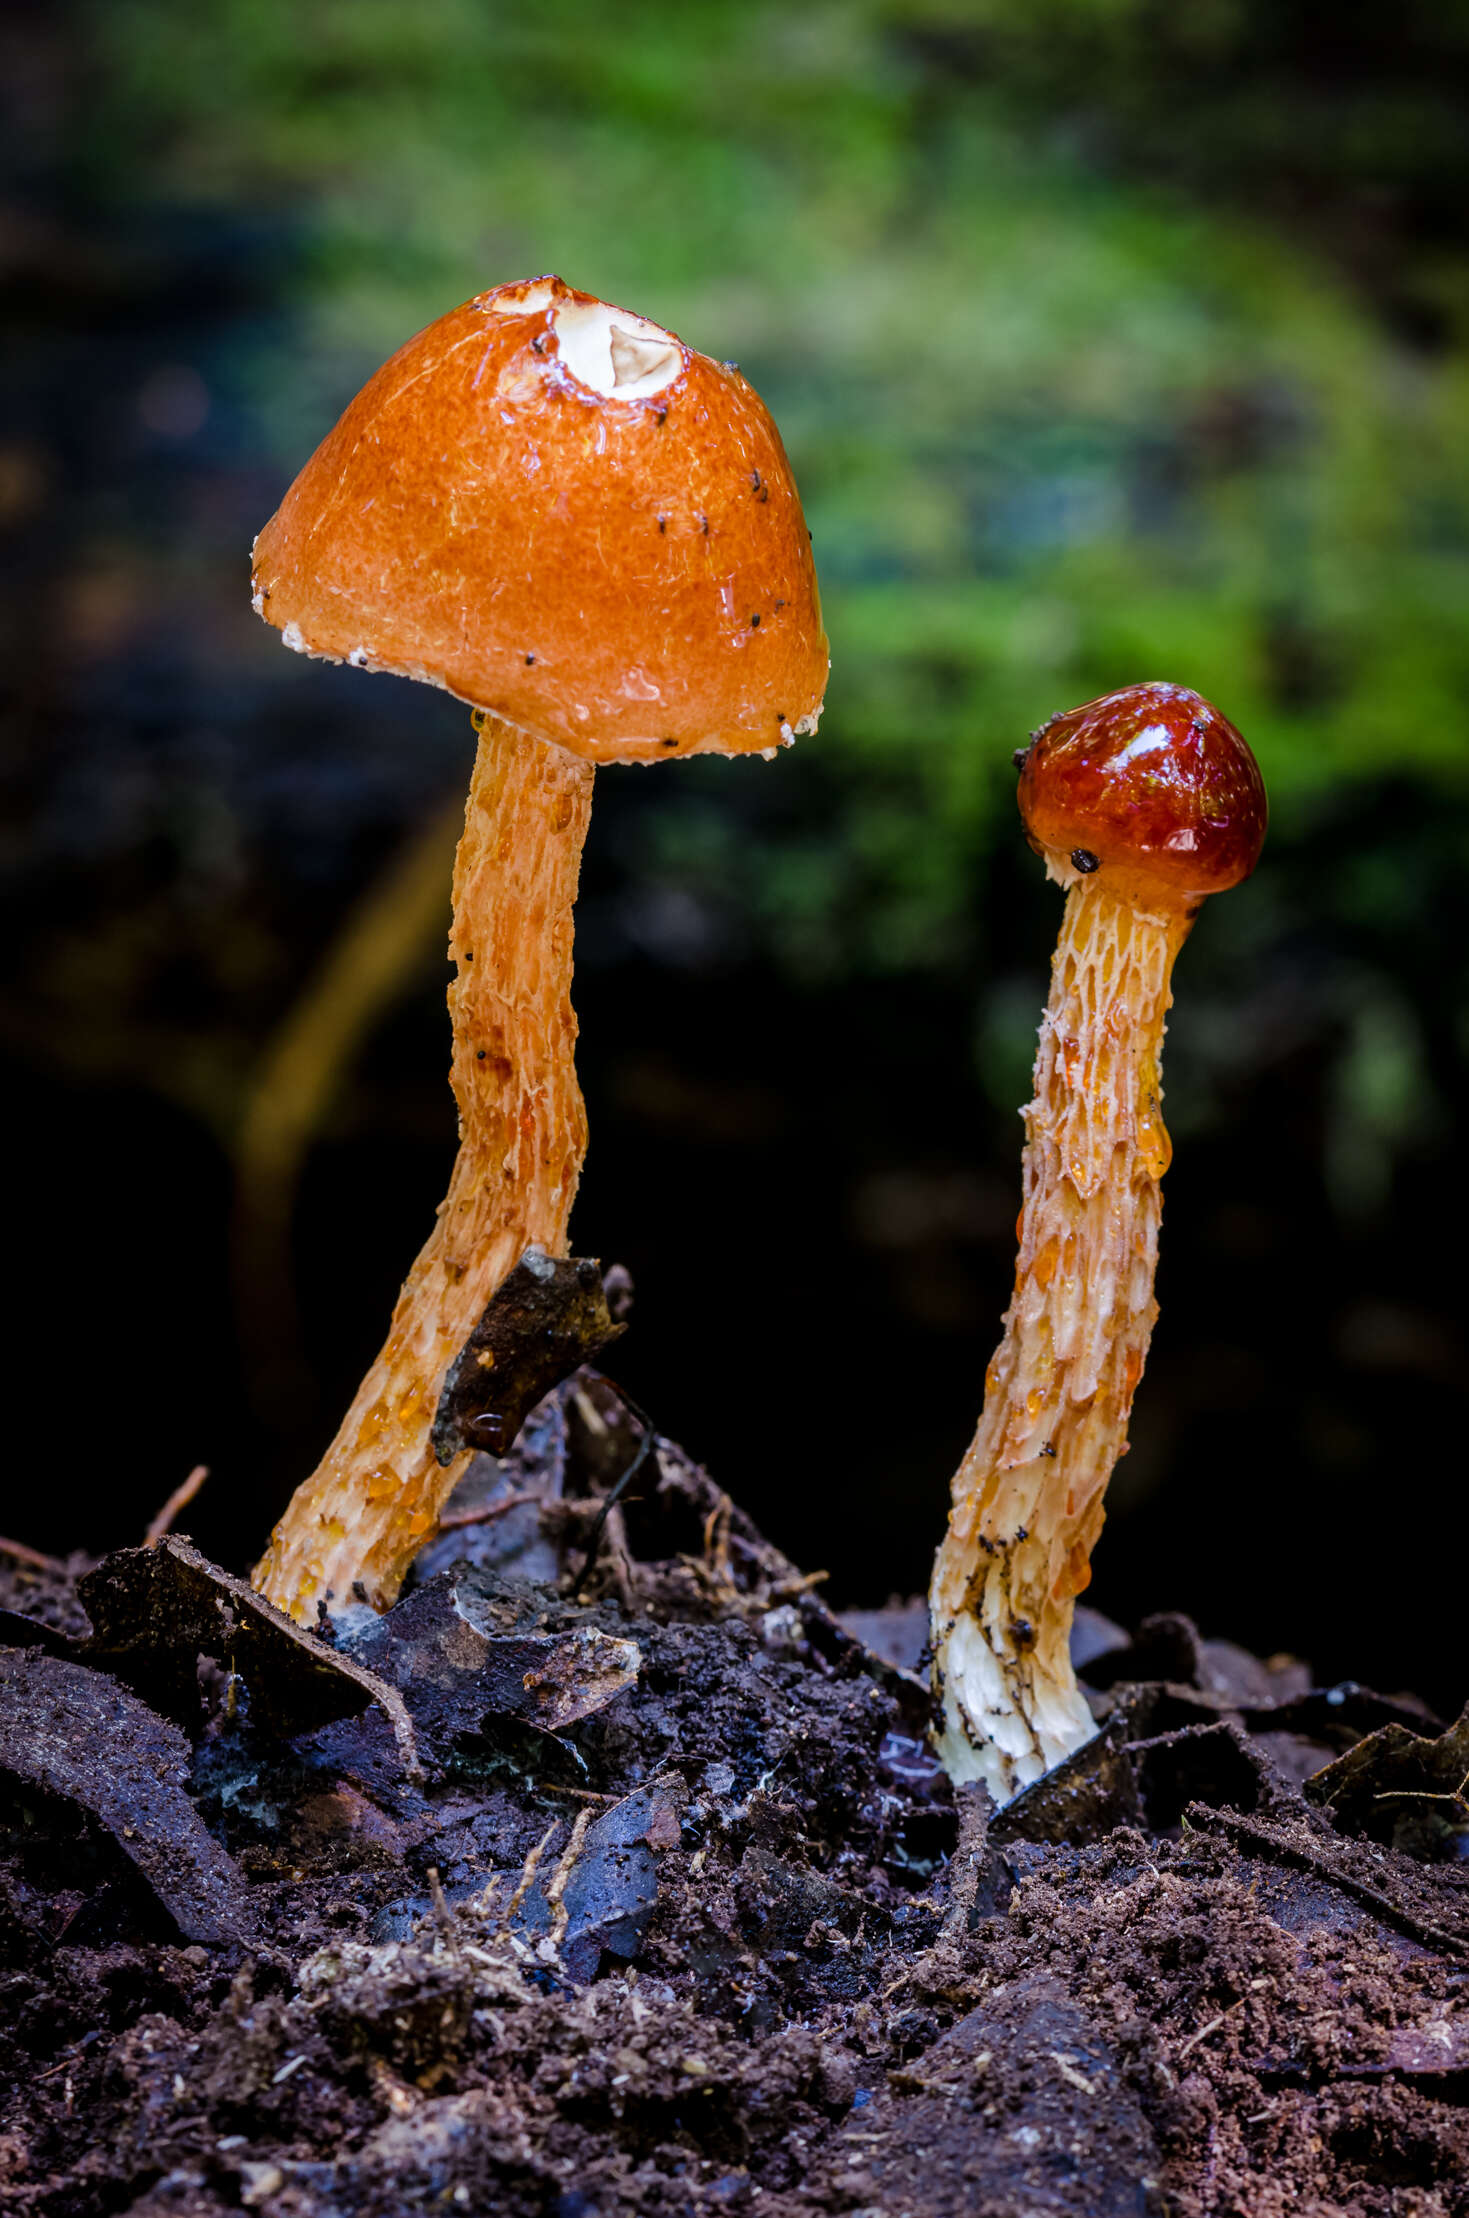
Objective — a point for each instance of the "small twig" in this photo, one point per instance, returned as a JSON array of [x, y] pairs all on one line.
[[31, 1556], [528, 1871], [785, 1590], [1421, 1794], [591, 1416], [180, 1498], [443, 1915], [974, 1805], [473, 1954], [560, 1915], [716, 1539], [455, 1520], [611, 1500], [1071, 2075], [477, 1908], [1205, 2030], [75, 2049]]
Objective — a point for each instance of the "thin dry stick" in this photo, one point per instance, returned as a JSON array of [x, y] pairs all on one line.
[[33, 1557], [974, 1804], [1421, 1794], [590, 1415], [479, 1905], [443, 1915], [716, 1540], [560, 1915], [786, 1590], [1205, 2030], [455, 1520], [180, 1498], [528, 1871], [646, 1446]]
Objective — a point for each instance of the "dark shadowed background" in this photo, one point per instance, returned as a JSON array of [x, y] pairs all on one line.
[[1110, 341]]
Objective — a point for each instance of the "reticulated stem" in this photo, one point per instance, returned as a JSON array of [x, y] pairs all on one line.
[[352, 1529], [1027, 1504]]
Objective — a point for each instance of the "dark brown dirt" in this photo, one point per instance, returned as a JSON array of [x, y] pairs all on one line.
[[654, 1902]]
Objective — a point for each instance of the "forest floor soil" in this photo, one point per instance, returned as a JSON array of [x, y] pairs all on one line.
[[650, 1899]]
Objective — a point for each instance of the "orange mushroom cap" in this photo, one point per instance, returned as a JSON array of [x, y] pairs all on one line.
[[562, 514], [1151, 786]]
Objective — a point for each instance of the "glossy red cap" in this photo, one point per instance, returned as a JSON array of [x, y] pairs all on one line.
[[1151, 788]]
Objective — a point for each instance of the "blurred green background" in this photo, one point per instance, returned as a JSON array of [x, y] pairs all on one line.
[[1110, 340]]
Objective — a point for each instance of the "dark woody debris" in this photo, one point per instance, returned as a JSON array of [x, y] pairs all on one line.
[[1402, 1789], [73, 1736]]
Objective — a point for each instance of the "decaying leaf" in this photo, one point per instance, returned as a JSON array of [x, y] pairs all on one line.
[[155, 1611], [463, 1649], [550, 1315]]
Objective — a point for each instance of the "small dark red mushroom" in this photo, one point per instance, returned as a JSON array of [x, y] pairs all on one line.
[[1140, 804]]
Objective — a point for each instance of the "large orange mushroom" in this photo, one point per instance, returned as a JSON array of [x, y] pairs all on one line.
[[1140, 805], [563, 515]]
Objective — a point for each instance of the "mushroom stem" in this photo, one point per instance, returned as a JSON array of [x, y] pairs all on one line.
[[1027, 1499], [352, 1528]]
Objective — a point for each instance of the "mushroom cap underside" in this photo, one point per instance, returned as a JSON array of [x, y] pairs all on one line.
[[563, 515], [1153, 786]]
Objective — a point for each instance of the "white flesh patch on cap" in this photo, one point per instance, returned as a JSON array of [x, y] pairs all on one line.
[[636, 361], [615, 354], [523, 300]]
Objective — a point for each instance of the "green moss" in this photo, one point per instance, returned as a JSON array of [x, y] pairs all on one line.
[[1069, 405]]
